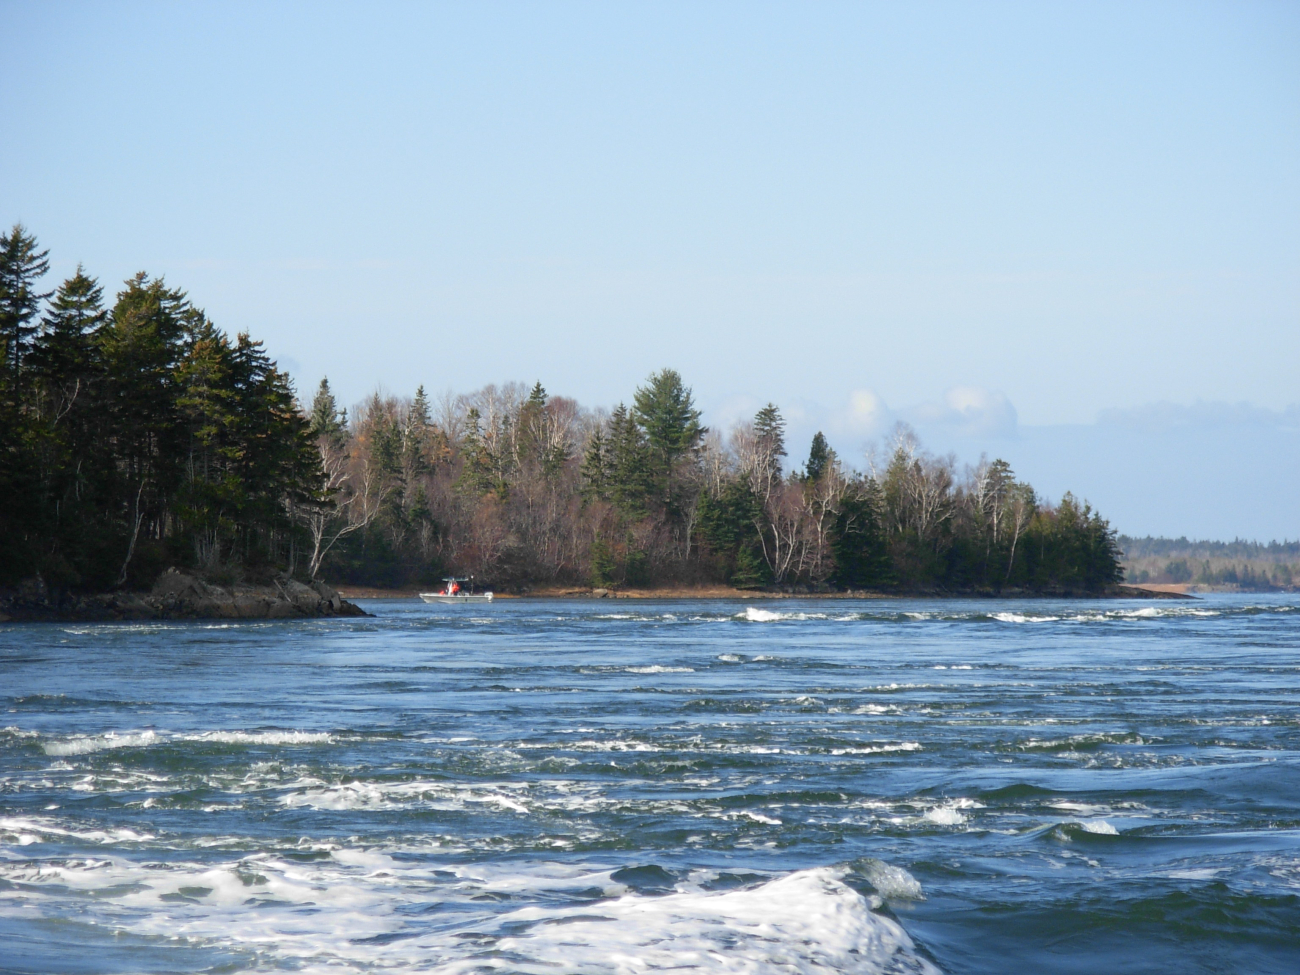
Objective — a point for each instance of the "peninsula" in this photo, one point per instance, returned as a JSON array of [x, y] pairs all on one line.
[[142, 445]]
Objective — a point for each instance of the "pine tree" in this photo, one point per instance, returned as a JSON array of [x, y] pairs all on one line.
[[665, 411]]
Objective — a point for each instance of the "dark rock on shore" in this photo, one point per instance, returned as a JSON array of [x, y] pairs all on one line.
[[178, 596]]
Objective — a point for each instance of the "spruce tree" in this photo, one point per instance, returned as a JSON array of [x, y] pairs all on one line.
[[631, 479], [324, 417], [595, 469], [858, 543], [820, 458], [64, 358], [769, 430], [22, 264]]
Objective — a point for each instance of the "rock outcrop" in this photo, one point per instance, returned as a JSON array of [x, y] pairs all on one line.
[[178, 596]]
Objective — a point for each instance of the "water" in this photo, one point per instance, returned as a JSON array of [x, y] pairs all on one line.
[[583, 786]]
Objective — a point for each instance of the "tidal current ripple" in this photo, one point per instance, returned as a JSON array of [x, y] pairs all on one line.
[[618, 786]]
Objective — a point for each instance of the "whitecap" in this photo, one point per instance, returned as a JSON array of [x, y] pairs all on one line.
[[944, 816], [84, 745], [340, 912], [950, 812], [890, 881], [1098, 826], [905, 746], [658, 669], [261, 737], [808, 921]]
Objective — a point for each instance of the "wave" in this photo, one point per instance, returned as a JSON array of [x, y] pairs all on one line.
[[755, 615], [87, 744], [24, 831], [333, 908], [904, 746], [891, 882], [84, 745]]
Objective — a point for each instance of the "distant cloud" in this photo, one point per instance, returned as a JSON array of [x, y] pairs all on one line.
[[866, 413], [1164, 417], [970, 411]]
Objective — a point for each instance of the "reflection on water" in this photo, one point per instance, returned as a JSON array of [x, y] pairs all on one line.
[[552, 786]]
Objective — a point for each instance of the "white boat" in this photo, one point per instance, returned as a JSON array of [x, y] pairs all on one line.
[[460, 597], [452, 595]]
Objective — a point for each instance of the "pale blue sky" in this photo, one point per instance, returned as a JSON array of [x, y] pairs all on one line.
[[991, 219]]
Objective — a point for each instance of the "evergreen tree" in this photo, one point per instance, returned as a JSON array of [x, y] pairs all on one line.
[[858, 542], [726, 526], [325, 419], [420, 418], [631, 480], [22, 264], [665, 411], [769, 431], [595, 468], [820, 458]]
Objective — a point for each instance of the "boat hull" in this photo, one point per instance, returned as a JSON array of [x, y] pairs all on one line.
[[456, 600]]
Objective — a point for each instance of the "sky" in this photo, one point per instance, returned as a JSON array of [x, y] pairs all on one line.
[[1066, 234]]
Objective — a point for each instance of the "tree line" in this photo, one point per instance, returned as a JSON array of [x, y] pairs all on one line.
[[1238, 564], [139, 435]]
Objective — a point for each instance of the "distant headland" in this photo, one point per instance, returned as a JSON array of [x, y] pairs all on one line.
[[138, 436]]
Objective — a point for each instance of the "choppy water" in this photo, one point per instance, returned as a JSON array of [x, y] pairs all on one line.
[[633, 787]]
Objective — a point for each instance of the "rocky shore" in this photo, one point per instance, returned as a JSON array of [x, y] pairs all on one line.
[[177, 596]]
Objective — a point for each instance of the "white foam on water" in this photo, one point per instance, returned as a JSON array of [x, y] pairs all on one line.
[[904, 746], [261, 737], [755, 615], [891, 882], [88, 744], [349, 912], [84, 745], [28, 830], [944, 816], [659, 669], [1021, 618], [731, 658], [806, 922], [446, 796], [753, 817], [1098, 826], [950, 813]]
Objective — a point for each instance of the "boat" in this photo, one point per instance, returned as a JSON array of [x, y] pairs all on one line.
[[452, 595]]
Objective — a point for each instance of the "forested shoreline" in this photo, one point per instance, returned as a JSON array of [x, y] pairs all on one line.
[[140, 436], [1237, 565]]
